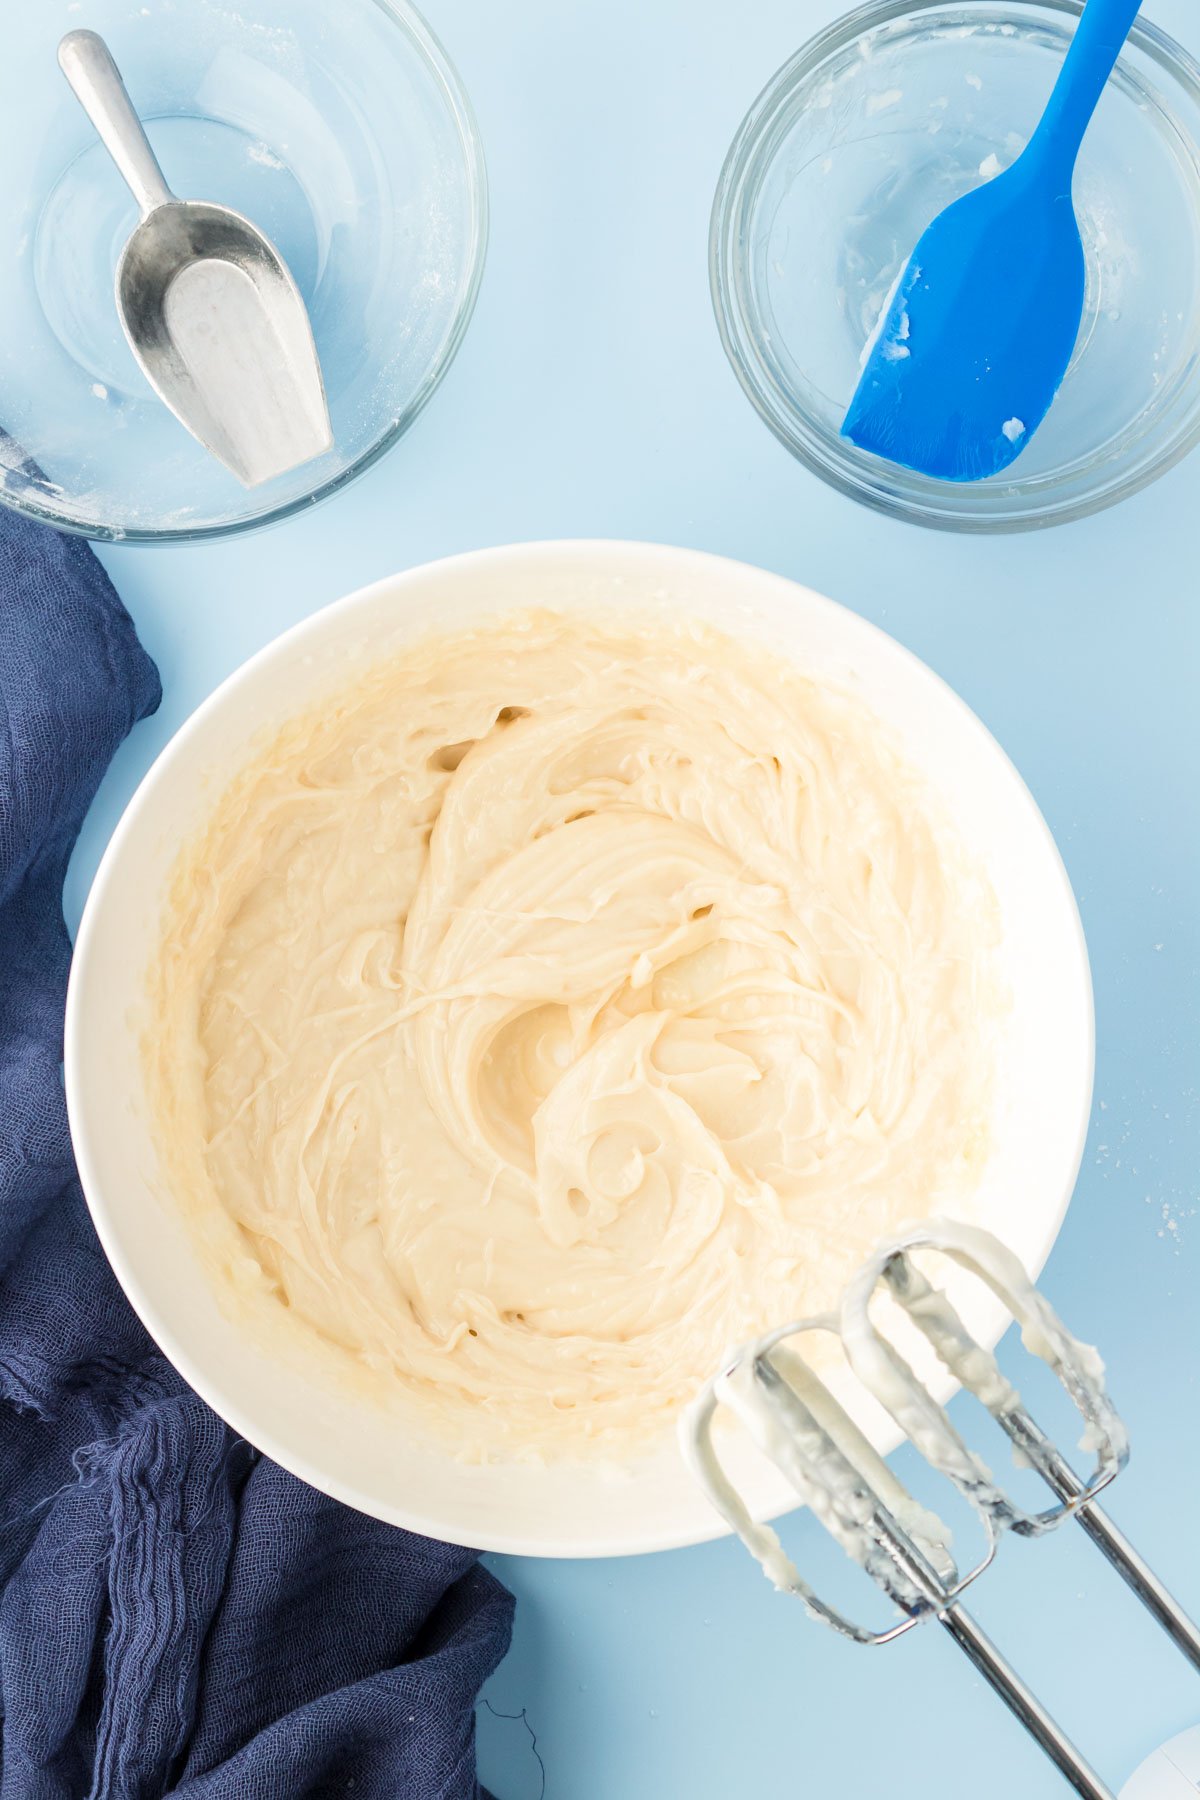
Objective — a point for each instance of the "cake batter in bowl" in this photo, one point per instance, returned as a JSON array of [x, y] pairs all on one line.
[[470, 1034]]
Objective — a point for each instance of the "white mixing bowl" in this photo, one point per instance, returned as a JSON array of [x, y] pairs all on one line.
[[295, 1407]]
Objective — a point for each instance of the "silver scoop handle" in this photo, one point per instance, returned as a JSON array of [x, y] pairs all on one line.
[[86, 62]]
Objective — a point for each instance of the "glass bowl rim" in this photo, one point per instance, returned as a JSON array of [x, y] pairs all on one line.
[[406, 18], [922, 501]]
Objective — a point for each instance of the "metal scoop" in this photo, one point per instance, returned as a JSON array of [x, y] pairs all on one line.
[[209, 307], [796, 1421]]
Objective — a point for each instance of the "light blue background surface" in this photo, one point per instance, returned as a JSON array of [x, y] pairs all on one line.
[[592, 398]]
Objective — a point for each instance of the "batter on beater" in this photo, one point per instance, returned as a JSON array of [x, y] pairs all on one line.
[[567, 1001]]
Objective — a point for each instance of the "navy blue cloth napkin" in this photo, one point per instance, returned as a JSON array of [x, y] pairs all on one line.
[[177, 1615]]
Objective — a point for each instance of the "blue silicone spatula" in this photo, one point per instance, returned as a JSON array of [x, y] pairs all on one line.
[[980, 326]]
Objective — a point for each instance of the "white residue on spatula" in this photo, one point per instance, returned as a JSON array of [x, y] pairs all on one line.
[[897, 345]]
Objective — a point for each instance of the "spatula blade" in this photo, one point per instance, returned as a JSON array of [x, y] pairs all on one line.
[[977, 336]]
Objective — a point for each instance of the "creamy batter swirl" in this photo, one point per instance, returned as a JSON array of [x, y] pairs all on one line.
[[564, 1003]]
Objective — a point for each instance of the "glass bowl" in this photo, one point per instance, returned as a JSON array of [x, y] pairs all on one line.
[[853, 148], [342, 131]]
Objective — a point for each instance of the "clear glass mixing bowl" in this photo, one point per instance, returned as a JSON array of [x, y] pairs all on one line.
[[340, 129], [853, 148]]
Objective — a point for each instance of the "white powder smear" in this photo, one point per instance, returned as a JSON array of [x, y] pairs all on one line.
[[260, 153]]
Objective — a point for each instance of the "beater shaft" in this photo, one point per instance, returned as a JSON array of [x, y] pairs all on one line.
[[1057, 1472], [1024, 1705], [999, 1674]]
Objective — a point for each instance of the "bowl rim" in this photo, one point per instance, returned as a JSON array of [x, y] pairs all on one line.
[[407, 19], [154, 1309], [918, 504]]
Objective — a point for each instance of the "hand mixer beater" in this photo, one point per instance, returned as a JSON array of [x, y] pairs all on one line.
[[793, 1417]]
